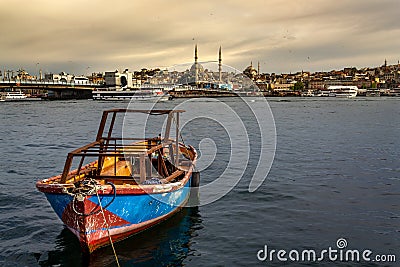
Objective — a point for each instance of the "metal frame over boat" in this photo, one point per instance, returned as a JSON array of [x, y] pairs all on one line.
[[127, 188]]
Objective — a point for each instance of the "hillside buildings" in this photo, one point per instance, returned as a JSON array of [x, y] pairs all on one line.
[[385, 77], [214, 75]]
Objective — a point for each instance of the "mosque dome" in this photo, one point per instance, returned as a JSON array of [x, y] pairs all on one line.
[[190, 76], [250, 71], [199, 67]]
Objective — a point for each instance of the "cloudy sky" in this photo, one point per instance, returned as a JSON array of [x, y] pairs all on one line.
[[85, 36]]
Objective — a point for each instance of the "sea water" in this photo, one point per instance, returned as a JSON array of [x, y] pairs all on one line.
[[335, 176]]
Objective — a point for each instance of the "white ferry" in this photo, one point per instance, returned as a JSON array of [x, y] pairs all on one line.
[[128, 94], [13, 96], [343, 91]]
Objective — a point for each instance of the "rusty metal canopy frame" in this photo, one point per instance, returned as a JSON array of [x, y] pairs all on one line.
[[109, 146]]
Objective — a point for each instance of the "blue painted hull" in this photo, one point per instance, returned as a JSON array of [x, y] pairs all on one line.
[[125, 214]]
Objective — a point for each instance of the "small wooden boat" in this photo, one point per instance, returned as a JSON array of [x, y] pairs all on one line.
[[120, 189]]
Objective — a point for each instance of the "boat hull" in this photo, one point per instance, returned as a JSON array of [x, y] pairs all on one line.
[[128, 95], [121, 186], [124, 214]]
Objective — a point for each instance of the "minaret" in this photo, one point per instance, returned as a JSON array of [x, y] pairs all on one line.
[[258, 68], [196, 66], [220, 64]]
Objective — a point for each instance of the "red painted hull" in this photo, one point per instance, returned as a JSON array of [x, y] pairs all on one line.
[[132, 211], [98, 239]]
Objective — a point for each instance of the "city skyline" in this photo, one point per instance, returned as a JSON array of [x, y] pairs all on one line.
[[85, 37]]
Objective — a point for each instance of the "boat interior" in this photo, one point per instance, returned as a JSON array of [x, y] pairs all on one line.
[[130, 161]]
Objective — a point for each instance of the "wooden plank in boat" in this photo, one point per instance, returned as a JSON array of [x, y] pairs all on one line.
[[173, 176]]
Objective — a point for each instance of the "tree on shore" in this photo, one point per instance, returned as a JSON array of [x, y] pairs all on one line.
[[298, 86]]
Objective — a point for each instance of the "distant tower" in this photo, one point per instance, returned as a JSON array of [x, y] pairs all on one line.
[[196, 66], [385, 63], [220, 64], [258, 68]]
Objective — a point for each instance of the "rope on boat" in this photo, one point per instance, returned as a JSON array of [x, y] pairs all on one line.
[[107, 226], [86, 188]]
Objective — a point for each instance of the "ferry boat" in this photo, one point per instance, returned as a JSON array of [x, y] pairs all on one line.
[[343, 91], [16, 96], [132, 184], [129, 94], [13, 96]]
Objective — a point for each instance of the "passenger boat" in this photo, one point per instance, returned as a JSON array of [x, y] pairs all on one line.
[[129, 94], [16, 96], [343, 91], [131, 185], [13, 96]]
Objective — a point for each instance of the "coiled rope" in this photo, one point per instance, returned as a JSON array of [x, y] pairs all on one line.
[[89, 187]]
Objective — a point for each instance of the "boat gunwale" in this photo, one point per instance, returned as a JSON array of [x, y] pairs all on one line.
[[124, 189], [54, 185]]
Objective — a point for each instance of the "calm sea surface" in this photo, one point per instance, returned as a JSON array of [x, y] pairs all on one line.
[[336, 174]]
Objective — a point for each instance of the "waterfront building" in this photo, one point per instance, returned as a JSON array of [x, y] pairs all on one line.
[[61, 77], [119, 79], [97, 78], [80, 80]]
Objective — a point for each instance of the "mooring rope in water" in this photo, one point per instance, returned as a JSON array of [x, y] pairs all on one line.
[[108, 228]]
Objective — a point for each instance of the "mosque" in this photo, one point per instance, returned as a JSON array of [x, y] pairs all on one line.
[[252, 72], [205, 83], [200, 77]]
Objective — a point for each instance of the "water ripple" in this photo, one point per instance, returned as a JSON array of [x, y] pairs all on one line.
[[335, 174]]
